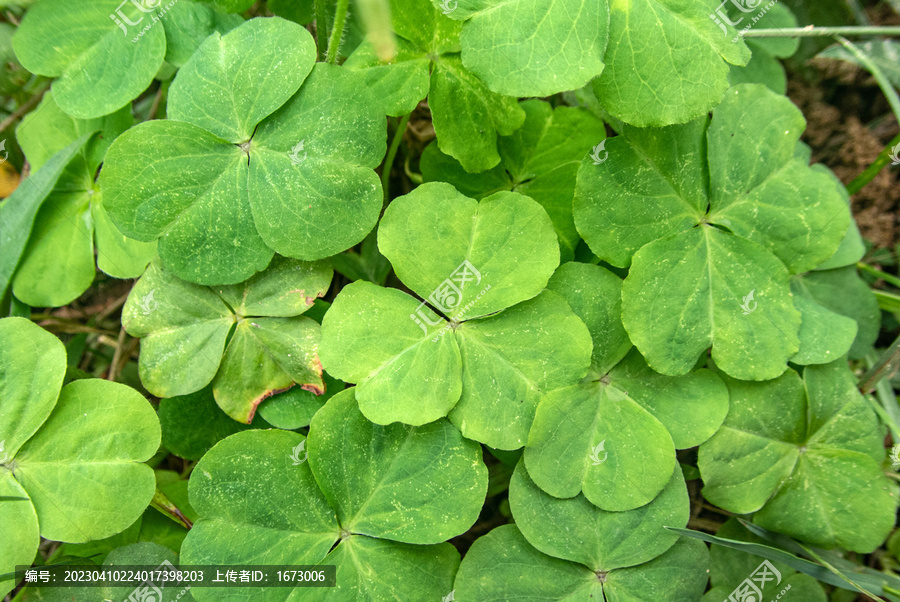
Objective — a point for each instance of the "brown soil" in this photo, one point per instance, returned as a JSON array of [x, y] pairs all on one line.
[[849, 123]]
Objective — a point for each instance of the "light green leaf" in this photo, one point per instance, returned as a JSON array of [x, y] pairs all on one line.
[[666, 61], [32, 367], [369, 337], [410, 484], [792, 210], [285, 519], [104, 52], [684, 294], [511, 361], [185, 326], [176, 182], [327, 185], [679, 574], [764, 67], [595, 295], [502, 566], [594, 438], [188, 24], [539, 160], [652, 184], [91, 448], [48, 129], [466, 115], [211, 90], [804, 458], [17, 213], [691, 407], [824, 335], [231, 6], [220, 208], [524, 48], [20, 527], [505, 242], [578, 531], [376, 569], [843, 292]]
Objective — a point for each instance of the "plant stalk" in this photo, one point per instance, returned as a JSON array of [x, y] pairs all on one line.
[[337, 31], [392, 154], [321, 28], [885, 366], [812, 31], [883, 160]]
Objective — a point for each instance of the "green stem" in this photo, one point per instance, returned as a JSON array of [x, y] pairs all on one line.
[[321, 27], [883, 160], [883, 368], [889, 278], [813, 32], [337, 31], [392, 154], [883, 82]]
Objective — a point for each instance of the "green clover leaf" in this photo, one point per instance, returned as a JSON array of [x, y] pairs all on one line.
[[499, 344], [341, 506], [805, 456], [86, 441], [218, 182], [613, 436], [184, 328], [467, 116]]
